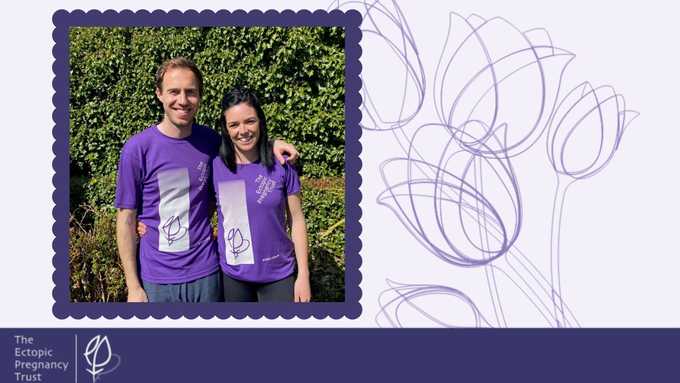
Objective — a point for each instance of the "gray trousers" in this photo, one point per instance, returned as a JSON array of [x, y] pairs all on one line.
[[206, 289]]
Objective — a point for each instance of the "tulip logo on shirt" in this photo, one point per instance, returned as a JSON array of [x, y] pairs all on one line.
[[98, 356], [173, 229], [237, 243]]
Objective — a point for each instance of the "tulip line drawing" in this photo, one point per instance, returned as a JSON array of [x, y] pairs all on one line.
[[173, 229], [600, 112], [98, 356], [497, 92], [395, 301], [237, 244], [380, 22]]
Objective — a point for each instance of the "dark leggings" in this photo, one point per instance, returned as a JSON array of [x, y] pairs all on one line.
[[242, 291]]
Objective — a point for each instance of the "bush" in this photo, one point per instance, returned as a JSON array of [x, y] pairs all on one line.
[[323, 202], [297, 72], [97, 276], [96, 273]]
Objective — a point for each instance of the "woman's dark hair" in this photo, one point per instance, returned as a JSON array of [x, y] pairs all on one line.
[[232, 98]]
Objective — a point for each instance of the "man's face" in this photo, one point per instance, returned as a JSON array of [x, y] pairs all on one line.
[[179, 96]]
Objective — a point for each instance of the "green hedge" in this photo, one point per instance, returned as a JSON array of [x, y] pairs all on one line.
[[323, 202], [95, 271], [297, 72], [96, 274]]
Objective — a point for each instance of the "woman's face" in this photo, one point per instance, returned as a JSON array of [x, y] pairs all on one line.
[[243, 128]]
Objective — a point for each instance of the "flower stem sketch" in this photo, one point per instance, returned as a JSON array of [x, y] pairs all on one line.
[[498, 91]]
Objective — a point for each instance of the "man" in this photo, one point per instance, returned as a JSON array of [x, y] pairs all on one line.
[[163, 180]]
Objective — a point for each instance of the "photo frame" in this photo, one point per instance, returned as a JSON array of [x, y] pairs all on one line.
[[64, 20]]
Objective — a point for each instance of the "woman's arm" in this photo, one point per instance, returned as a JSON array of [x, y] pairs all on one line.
[[298, 233]]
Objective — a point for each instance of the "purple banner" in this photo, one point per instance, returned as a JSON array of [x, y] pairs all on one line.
[[343, 355]]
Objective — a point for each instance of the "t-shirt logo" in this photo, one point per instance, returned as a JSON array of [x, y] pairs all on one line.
[[204, 170], [237, 244], [264, 187], [174, 230], [238, 248], [173, 210]]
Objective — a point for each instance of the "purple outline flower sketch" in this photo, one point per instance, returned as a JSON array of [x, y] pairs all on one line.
[[174, 230], [585, 132], [237, 244], [497, 91]]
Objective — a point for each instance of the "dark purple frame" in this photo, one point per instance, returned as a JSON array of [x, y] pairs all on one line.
[[63, 20]]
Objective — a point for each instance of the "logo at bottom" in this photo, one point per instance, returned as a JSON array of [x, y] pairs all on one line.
[[100, 358]]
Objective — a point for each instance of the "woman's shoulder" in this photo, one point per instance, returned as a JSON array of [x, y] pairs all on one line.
[[277, 167], [220, 169], [217, 160], [288, 167]]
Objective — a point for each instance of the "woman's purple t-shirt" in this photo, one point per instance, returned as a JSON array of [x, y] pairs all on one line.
[[253, 242], [168, 181]]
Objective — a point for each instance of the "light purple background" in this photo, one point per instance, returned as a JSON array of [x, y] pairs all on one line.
[[620, 259]]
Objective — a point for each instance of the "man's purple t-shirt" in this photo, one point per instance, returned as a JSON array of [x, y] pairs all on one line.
[[168, 181], [253, 242]]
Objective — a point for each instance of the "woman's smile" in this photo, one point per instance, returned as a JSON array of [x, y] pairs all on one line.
[[243, 128]]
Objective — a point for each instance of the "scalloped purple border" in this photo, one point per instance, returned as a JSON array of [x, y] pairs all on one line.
[[350, 20]]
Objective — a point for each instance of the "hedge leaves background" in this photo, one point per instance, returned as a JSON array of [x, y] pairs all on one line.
[[298, 73]]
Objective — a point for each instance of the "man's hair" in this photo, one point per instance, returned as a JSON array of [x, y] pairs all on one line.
[[179, 62], [234, 97]]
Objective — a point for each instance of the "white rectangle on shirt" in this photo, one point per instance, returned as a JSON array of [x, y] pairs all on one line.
[[173, 229], [236, 226]]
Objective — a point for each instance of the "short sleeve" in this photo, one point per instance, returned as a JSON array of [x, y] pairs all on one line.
[[129, 181], [292, 180]]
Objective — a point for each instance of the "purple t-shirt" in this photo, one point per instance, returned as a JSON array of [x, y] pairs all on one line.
[[253, 242], [168, 181]]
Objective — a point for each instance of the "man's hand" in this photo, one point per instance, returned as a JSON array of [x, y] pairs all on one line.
[[137, 295], [281, 148], [302, 290]]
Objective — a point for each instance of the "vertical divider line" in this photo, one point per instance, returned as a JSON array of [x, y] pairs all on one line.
[[75, 358]]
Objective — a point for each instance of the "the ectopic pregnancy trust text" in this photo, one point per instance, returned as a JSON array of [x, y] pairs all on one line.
[[32, 361]]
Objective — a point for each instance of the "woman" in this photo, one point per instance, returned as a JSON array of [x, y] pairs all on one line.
[[254, 195]]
